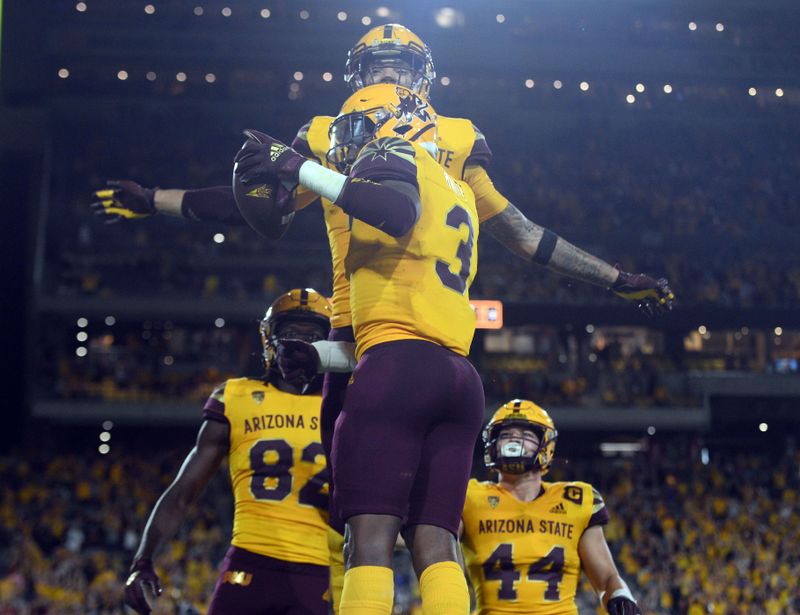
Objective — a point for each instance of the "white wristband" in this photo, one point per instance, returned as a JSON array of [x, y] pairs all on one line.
[[336, 356], [323, 181], [169, 202]]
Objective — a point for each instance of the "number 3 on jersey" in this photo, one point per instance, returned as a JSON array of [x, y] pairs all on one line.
[[456, 217], [500, 567], [271, 462]]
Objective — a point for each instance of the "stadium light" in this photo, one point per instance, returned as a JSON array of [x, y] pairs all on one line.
[[181, 77], [82, 322], [341, 16], [122, 75], [63, 73], [82, 336], [219, 323], [304, 14], [692, 26], [382, 11], [168, 360], [584, 86], [210, 77], [104, 449], [150, 76], [219, 238], [265, 13], [198, 10], [445, 81], [778, 331], [81, 7], [366, 20], [702, 330], [720, 27], [500, 18], [589, 328], [529, 83], [110, 321], [779, 92], [81, 351], [651, 430], [149, 9], [108, 425], [630, 98], [557, 84], [326, 76], [640, 87], [763, 427], [611, 448], [226, 11], [298, 76], [105, 436], [704, 457]]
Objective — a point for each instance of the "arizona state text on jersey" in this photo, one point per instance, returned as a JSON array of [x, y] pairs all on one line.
[[522, 557], [277, 469]]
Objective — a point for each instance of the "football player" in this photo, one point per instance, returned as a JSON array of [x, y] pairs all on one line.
[[278, 559], [389, 54], [525, 540], [403, 442]]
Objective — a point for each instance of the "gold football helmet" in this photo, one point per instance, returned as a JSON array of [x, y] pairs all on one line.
[[395, 47], [383, 110], [298, 305], [527, 415]]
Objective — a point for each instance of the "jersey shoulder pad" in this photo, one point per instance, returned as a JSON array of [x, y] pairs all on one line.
[[386, 158], [480, 154], [307, 141], [214, 408], [599, 510]]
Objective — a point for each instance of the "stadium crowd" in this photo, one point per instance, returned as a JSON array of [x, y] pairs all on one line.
[[691, 538], [656, 195]]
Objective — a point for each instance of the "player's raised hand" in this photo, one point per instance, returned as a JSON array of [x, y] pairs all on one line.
[[652, 295], [298, 361], [264, 158], [123, 199], [142, 576], [622, 605]]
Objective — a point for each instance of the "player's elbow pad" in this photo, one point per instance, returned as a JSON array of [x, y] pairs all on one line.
[[389, 210]]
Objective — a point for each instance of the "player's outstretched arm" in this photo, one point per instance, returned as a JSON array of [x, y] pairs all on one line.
[[542, 246], [170, 510], [124, 199], [599, 566], [390, 204]]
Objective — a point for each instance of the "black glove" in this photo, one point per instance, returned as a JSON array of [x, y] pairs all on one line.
[[298, 362], [124, 199], [263, 159], [142, 576], [622, 606], [652, 296]]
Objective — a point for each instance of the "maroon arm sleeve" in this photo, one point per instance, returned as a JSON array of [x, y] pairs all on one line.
[[215, 204], [389, 210]]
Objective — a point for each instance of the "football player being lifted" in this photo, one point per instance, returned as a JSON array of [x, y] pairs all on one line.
[[278, 559], [388, 54], [402, 446], [525, 540]]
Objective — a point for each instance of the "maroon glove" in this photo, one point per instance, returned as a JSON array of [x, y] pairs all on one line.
[[263, 159], [142, 575], [622, 606], [653, 296], [124, 199], [297, 361]]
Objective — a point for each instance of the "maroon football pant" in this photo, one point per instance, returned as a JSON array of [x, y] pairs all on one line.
[[403, 442], [252, 584]]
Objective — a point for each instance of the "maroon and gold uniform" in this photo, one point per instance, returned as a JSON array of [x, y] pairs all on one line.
[[522, 557], [463, 153], [277, 469]]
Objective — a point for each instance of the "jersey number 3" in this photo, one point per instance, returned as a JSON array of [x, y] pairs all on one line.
[[279, 485], [500, 567], [455, 218]]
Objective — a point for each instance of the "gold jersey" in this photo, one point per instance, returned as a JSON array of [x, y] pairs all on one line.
[[522, 557], [277, 469], [460, 145], [415, 286]]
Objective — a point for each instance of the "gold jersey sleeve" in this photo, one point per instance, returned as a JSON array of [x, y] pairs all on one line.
[[415, 286], [464, 154], [313, 141], [278, 473], [522, 557]]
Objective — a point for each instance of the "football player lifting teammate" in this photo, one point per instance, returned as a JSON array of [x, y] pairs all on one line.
[[278, 560], [403, 442], [525, 540]]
